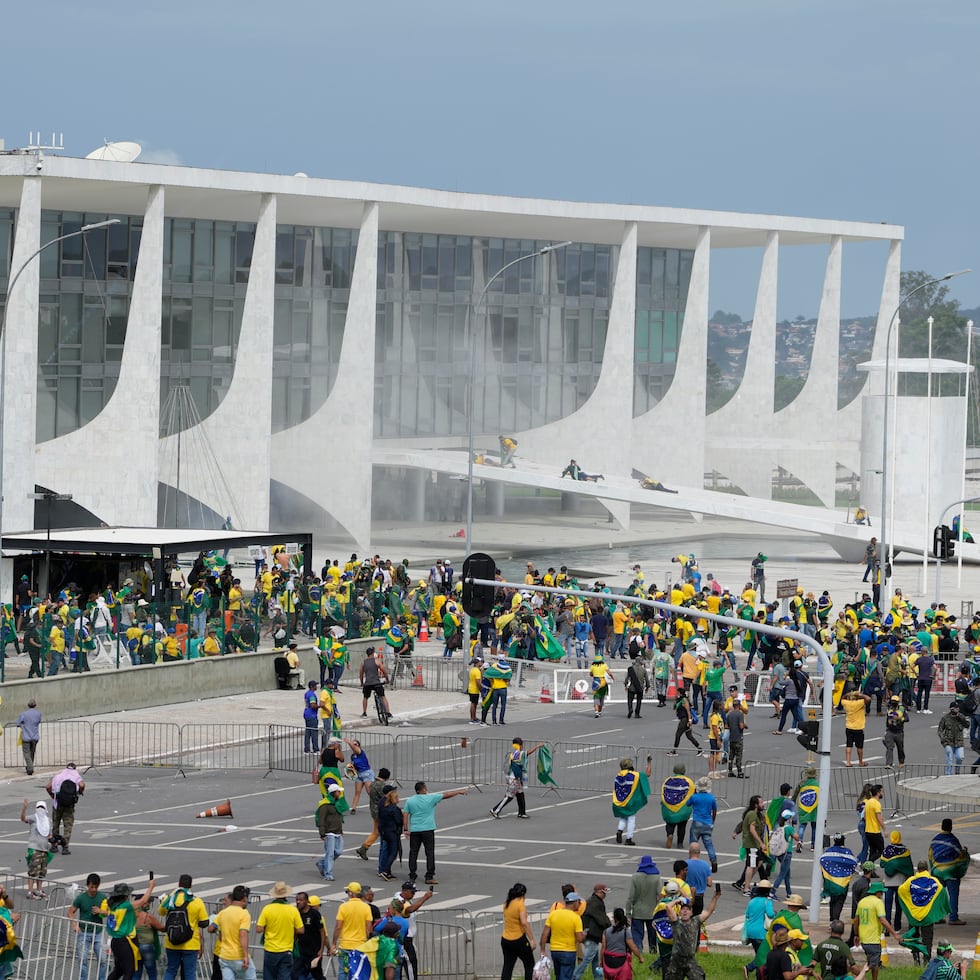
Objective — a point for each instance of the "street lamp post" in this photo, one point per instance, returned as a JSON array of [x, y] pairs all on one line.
[[884, 560], [3, 340], [472, 384]]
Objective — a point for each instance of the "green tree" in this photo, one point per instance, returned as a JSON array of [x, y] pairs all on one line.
[[949, 325], [786, 389], [717, 394]]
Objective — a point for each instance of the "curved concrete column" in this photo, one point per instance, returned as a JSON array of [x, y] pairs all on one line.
[[739, 436], [20, 365], [298, 455], [116, 489], [808, 426], [682, 408], [243, 462], [590, 434]]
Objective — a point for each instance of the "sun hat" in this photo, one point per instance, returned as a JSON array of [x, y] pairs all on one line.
[[280, 890], [795, 899], [647, 866], [798, 934]]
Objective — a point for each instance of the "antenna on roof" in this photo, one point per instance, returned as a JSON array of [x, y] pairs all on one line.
[[35, 143]]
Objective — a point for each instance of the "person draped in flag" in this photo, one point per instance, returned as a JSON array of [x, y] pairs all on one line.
[[949, 861], [838, 866], [789, 919], [806, 796], [896, 865], [516, 778], [601, 676], [495, 679], [675, 804], [925, 901], [329, 774], [631, 791]]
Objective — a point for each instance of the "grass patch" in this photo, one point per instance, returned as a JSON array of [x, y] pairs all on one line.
[[728, 966]]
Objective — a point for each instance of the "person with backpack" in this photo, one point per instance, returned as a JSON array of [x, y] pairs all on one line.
[[64, 788], [781, 842], [184, 915]]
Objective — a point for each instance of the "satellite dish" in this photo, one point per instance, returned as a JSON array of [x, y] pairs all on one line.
[[121, 151], [300, 174]]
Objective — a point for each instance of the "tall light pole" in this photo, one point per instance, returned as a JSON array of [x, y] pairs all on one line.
[[884, 561], [3, 340], [472, 384]]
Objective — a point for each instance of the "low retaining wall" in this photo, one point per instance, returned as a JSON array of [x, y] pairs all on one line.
[[100, 691]]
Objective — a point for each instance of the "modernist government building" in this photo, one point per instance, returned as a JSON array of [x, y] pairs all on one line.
[[250, 345]]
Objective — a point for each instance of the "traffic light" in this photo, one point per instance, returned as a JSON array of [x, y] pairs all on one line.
[[942, 544], [810, 733], [950, 543], [478, 599]]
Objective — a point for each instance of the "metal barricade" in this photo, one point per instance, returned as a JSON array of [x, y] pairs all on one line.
[[49, 946], [131, 743], [444, 948], [588, 766], [284, 750], [487, 927], [61, 742], [224, 746], [489, 762], [908, 802], [435, 759]]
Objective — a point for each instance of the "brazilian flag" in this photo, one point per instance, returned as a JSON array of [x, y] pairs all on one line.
[[948, 858], [664, 929], [500, 670], [923, 899], [896, 860], [807, 797], [330, 776], [838, 866], [548, 648], [544, 766], [675, 795], [630, 793], [792, 921]]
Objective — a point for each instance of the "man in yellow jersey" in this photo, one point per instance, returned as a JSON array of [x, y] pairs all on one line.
[[353, 927], [855, 705], [232, 924], [279, 924]]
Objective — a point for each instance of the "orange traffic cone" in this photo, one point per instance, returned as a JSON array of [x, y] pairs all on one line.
[[423, 631], [546, 697], [418, 681], [672, 685], [221, 810], [703, 942]]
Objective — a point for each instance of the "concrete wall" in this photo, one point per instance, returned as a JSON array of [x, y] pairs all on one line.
[[99, 692]]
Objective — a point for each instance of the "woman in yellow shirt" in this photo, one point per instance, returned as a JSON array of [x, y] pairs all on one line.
[[517, 940]]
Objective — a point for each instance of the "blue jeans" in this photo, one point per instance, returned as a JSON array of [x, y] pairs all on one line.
[[618, 646], [862, 855], [311, 737], [785, 867], [147, 965], [501, 702], [709, 699], [953, 755], [568, 643], [277, 966], [89, 944], [199, 621], [952, 886], [181, 957], [637, 929], [387, 854], [564, 965], [333, 847], [590, 957], [582, 653], [702, 832]]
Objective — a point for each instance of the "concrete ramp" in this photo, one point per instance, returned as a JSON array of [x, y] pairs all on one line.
[[615, 490]]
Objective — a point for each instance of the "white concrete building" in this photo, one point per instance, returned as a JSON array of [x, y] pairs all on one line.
[[249, 338]]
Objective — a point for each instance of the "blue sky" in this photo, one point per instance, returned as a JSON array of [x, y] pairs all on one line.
[[853, 109]]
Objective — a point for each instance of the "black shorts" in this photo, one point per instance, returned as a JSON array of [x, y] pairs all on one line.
[[853, 739], [369, 689], [714, 744], [474, 699]]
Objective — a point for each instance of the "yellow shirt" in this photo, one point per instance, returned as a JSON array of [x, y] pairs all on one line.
[[326, 704], [57, 640], [210, 646], [354, 917], [564, 924], [476, 676], [855, 715], [266, 582], [197, 915], [230, 922], [512, 919], [713, 603], [281, 921], [234, 598], [869, 925], [333, 573], [619, 620], [872, 817]]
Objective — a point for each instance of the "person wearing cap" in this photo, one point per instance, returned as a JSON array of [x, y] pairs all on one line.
[[781, 843], [870, 922], [352, 927], [232, 925], [945, 968], [184, 955], [64, 802], [312, 942], [595, 921], [687, 931], [641, 900], [563, 931], [779, 963], [601, 676], [859, 889], [29, 723], [413, 902], [120, 911], [279, 924], [704, 812], [330, 825], [473, 686]]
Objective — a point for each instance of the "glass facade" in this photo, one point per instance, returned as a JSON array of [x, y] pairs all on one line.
[[85, 290], [540, 334], [205, 275], [663, 276], [313, 274]]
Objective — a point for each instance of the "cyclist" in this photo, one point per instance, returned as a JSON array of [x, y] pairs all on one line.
[[373, 676]]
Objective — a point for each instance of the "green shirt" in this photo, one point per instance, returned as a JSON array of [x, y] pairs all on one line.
[[714, 679], [85, 903], [121, 921]]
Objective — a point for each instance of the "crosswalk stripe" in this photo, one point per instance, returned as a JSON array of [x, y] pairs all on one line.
[[458, 902]]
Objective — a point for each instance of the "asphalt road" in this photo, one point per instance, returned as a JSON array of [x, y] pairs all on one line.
[[131, 820]]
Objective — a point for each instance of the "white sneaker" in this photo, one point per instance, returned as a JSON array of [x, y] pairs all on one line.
[[926, 711]]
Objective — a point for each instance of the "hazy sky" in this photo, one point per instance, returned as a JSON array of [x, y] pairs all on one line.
[[852, 109]]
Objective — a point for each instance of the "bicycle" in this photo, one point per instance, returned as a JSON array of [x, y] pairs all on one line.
[[379, 706]]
